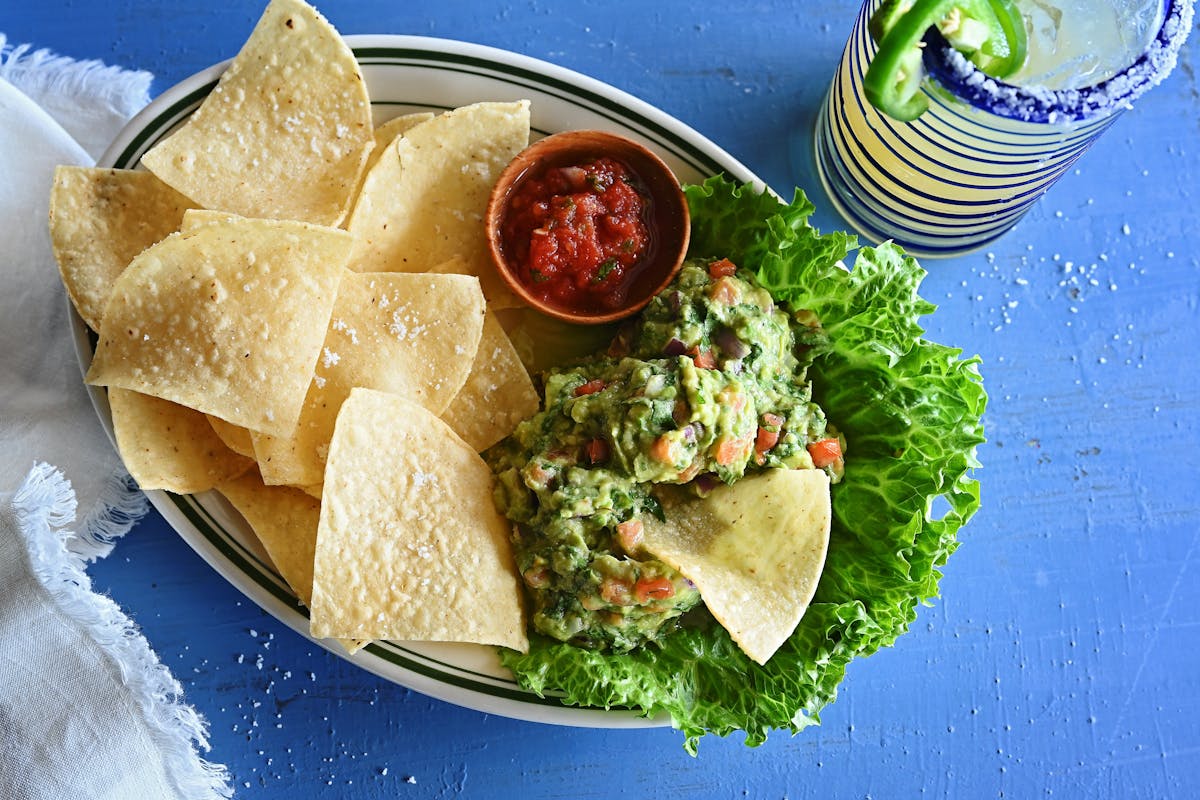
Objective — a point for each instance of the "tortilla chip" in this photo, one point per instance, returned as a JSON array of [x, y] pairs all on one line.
[[285, 521], [99, 220], [384, 136], [498, 393], [167, 446], [755, 550], [423, 202], [228, 320], [287, 130], [386, 133], [544, 342], [410, 545], [235, 437], [411, 335]]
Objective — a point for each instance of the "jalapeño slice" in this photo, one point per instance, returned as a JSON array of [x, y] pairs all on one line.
[[989, 32]]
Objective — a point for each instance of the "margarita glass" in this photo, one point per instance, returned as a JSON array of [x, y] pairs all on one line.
[[965, 171]]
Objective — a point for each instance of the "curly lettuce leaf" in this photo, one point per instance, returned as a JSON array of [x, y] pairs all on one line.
[[911, 412]]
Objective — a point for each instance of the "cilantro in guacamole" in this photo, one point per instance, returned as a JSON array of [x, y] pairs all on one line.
[[708, 383]]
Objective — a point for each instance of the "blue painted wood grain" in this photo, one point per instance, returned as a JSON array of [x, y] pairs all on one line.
[[1062, 659]]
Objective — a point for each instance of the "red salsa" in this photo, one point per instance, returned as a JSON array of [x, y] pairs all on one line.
[[579, 233]]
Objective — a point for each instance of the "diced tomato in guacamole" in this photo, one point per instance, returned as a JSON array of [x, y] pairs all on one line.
[[707, 384]]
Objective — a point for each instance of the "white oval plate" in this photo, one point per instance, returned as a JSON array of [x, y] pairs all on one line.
[[403, 74]]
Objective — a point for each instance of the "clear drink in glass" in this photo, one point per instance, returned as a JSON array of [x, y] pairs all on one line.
[[965, 171]]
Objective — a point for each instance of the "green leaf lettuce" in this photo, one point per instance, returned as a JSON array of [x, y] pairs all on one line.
[[910, 411]]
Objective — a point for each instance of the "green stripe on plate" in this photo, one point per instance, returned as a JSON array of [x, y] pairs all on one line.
[[161, 124]]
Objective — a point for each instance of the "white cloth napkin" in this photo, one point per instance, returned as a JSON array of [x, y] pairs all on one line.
[[86, 708], [45, 413]]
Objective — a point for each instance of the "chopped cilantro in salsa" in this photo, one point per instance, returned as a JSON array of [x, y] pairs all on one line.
[[579, 234]]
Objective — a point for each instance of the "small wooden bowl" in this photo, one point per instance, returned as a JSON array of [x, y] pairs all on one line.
[[669, 222]]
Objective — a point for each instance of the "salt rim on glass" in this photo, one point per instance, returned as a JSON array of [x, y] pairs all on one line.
[[1038, 104]]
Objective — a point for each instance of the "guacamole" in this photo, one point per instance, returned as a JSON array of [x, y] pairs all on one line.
[[707, 384]]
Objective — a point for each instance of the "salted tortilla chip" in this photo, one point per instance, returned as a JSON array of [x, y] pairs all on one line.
[[168, 446], [287, 130], [755, 550], [410, 545], [228, 320], [412, 335], [285, 520], [423, 202], [99, 220], [498, 393], [235, 437]]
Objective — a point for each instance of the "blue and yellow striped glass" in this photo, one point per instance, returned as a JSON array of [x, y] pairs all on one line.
[[965, 171]]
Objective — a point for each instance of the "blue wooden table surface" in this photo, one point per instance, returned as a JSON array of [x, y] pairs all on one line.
[[1063, 658]]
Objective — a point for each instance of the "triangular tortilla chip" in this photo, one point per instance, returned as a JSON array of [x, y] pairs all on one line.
[[543, 342], [196, 218], [497, 293], [386, 133], [99, 220], [385, 136], [287, 130], [410, 545], [755, 550], [228, 320], [312, 490], [285, 521]]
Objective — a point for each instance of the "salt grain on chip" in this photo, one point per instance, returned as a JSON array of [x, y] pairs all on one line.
[[410, 545]]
